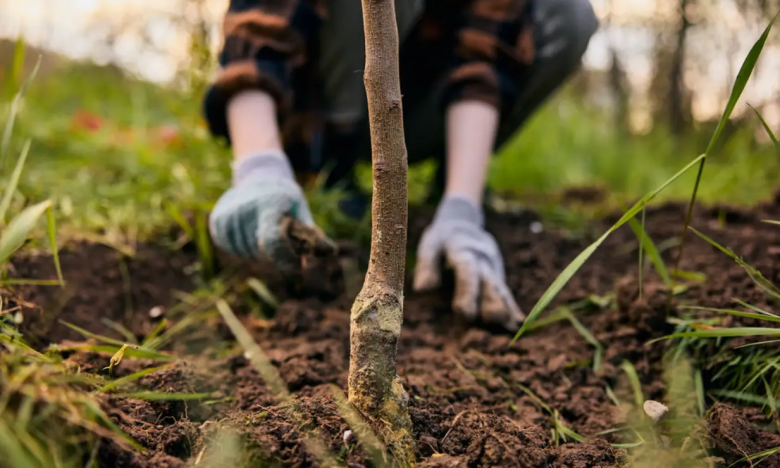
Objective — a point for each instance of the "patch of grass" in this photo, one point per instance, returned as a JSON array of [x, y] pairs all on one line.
[[560, 433], [48, 415], [568, 272]]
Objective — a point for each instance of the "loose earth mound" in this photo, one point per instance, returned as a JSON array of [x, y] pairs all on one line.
[[476, 398]]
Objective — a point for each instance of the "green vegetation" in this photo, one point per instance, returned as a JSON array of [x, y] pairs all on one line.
[[110, 159]]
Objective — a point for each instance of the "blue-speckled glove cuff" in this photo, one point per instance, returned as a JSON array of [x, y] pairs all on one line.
[[455, 208], [270, 165]]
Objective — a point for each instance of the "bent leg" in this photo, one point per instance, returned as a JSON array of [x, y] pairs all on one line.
[[562, 29]]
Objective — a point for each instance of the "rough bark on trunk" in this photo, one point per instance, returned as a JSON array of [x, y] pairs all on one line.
[[377, 314]]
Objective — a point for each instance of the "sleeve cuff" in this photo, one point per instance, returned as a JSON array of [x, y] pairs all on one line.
[[244, 75]]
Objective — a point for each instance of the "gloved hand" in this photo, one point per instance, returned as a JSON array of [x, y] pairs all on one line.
[[457, 235], [247, 220]]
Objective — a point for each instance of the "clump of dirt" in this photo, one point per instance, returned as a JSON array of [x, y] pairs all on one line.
[[474, 394], [736, 437]]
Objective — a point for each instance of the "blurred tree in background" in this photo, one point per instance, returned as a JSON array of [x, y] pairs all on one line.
[[654, 81]]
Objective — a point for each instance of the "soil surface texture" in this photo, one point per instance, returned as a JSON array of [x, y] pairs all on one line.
[[477, 399]]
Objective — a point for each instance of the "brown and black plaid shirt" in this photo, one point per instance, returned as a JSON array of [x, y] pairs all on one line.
[[478, 46]]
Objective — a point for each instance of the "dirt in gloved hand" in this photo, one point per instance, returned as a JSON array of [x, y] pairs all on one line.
[[307, 241]]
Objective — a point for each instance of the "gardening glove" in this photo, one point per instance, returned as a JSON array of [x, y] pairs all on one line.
[[457, 235], [251, 218]]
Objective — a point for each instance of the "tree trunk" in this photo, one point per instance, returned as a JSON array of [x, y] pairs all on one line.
[[377, 315], [679, 105]]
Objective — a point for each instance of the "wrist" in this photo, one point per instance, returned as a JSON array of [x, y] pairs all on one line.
[[459, 208], [266, 165]]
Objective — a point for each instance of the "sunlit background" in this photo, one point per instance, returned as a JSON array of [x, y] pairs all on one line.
[[150, 38], [655, 80]]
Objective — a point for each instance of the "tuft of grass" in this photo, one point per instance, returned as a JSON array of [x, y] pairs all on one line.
[[736, 91], [560, 432], [568, 272], [647, 245], [52, 428], [576, 264]]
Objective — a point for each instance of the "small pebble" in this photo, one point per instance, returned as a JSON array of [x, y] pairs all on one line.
[[347, 436], [655, 410], [537, 227]]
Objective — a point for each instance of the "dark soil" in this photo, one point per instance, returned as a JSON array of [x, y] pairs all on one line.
[[467, 403]]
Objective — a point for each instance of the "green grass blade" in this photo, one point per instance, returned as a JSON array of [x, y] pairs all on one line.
[[641, 270], [762, 455], [737, 313], [121, 329], [370, 442], [181, 220], [17, 66], [736, 91], [772, 401], [636, 385], [131, 378], [162, 396], [743, 396], [262, 290], [700, 399], [257, 356], [94, 336], [739, 84], [107, 422], [693, 276], [724, 333], [168, 335], [29, 282], [768, 130], [155, 333], [12, 449], [646, 244], [12, 113], [565, 431], [313, 440], [588, 336], [754, 274], [15, 234], [51, 232], [535, 398], [757, 343], [712, 242], [758, 310], [11, 184], [612, 396], [139, 353], [580, 260], [203, 241]]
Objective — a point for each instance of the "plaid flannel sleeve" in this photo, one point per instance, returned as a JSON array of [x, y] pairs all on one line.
[[264, 42], [493, 43]]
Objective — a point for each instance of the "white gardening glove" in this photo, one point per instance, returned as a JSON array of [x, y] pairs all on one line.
[[248, 219], [458, 237]]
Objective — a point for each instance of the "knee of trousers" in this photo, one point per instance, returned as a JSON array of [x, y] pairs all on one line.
[[566, 28]]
